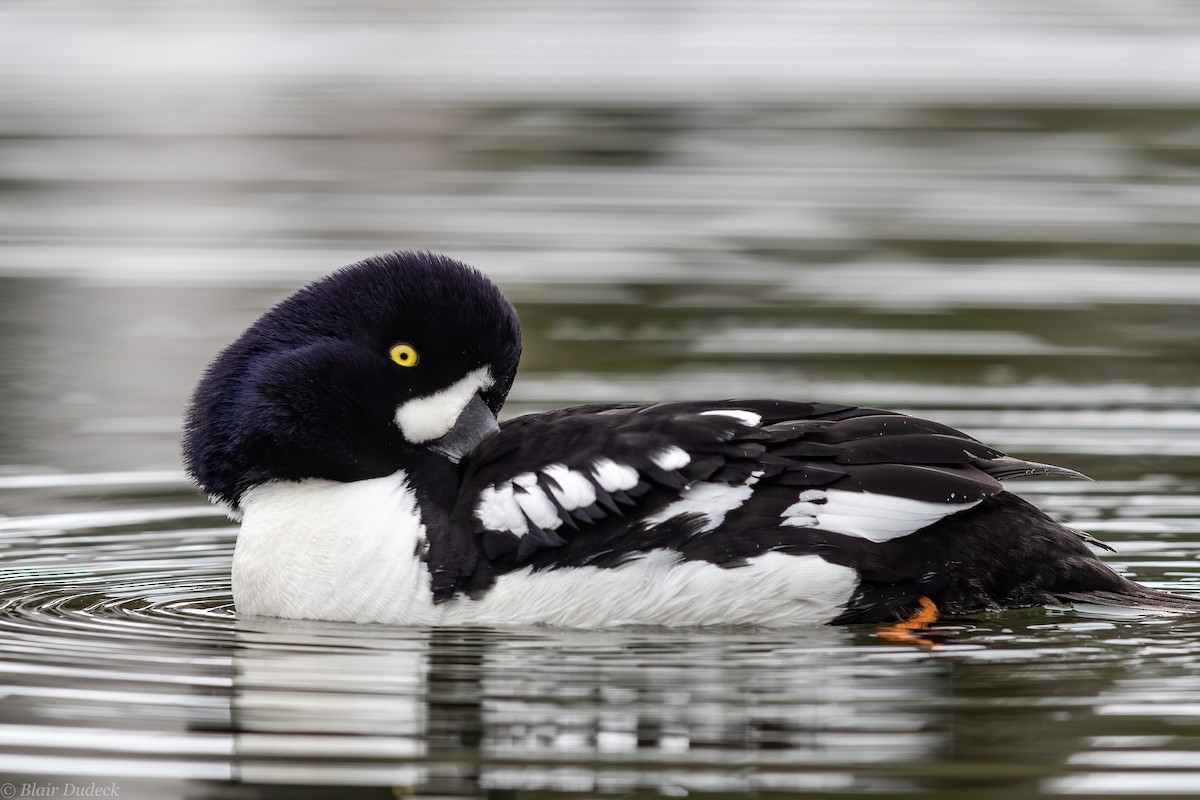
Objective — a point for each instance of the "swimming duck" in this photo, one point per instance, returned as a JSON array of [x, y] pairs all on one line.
[[352, 430]]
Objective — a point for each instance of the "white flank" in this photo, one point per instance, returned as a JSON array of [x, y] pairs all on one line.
[[745, 417], [614, 477], [574, 489], [424, 419], [319, 549], [709, 500], [671, 458], [659, 588], [877, 517]]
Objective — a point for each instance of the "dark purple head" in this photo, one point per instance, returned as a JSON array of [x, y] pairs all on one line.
[[354, 376]]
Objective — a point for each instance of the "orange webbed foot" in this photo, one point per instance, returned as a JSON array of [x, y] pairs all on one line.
[[910, 630]]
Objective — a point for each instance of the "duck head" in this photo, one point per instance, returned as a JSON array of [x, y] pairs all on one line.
[[396, 361]]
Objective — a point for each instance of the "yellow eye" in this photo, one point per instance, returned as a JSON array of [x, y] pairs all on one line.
[[404, 354]]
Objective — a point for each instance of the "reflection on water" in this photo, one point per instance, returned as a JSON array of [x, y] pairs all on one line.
[[1016, 708], [984, 212], [123, 660]]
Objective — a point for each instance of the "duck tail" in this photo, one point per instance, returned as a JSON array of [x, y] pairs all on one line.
[[1113, 592], [1134, 598]]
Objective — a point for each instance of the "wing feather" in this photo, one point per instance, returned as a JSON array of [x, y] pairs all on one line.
[[720, 481]]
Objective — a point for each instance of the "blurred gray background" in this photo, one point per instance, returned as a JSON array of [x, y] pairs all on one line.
[[684, 197]]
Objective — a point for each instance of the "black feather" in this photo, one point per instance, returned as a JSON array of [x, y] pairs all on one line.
[[913, 448], [1005, 467]]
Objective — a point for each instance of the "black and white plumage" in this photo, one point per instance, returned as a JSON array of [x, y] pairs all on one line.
[[353, 430]]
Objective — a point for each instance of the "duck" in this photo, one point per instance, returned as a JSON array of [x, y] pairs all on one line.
[[352, 431]]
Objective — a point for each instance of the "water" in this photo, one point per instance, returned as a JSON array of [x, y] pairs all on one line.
[[981, 212]]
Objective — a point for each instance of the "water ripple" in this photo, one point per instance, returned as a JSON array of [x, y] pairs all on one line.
[[127, 659]]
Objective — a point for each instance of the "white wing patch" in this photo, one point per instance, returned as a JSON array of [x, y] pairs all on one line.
[[671, 458], [498, 510], [574, 489], [745, 417], [614, 477], [512, 505], [868, 515], [537, 506], [713, 501]]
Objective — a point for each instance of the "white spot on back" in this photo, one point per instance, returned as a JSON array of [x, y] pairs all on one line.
[[574, 489], [671, 458], [497, 510], [614, 477], [424, 419], [538, 508], [745, 417], [868, 515], [713, 501]]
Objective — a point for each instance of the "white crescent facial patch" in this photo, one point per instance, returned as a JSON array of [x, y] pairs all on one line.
[[424, 419]]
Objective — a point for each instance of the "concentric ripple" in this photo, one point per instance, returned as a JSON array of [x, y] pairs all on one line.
[[116, 618], [97, 581], [116, 573]]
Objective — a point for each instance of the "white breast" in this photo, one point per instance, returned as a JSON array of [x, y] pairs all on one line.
[[317, 549]]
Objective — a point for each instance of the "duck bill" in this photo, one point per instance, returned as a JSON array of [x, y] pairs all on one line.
[[474, 424]]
